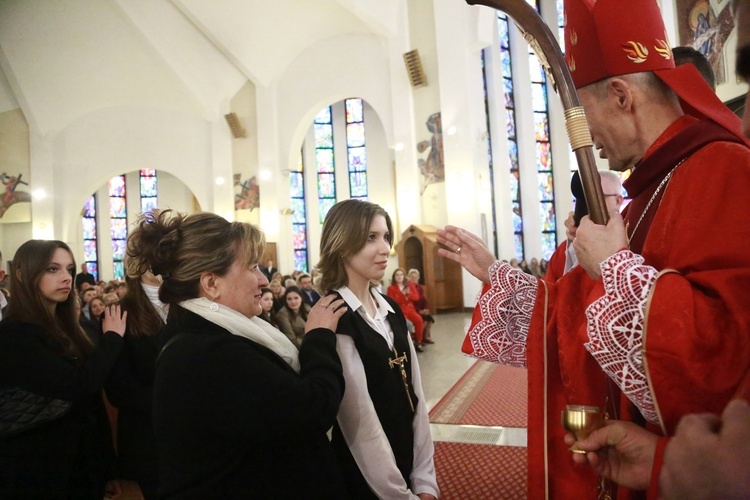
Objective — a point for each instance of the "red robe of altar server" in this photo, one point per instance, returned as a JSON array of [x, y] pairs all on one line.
[[665, 331]]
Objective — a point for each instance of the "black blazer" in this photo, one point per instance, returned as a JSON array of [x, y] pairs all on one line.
[[233, 420], [70, 457]]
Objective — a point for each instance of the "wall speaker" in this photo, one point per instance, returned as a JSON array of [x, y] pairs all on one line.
[[238, 131], [414, 69]]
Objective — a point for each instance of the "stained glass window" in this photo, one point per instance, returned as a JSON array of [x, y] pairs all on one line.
[[543, 152], [490, 161], [149, 189], [90, 253], [355, 144], [118, 221], [510, 121], [323, 130], [299, 217]]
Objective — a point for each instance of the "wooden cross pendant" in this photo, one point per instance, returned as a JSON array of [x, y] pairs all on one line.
[[399, 361]]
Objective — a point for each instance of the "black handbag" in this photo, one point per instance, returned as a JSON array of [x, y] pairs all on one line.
[[22, 410]]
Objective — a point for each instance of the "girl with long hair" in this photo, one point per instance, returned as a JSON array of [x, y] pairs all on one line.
[[382, 436], [292, 317], [44, 354]]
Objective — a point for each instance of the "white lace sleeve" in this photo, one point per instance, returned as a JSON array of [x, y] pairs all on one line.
[[506, 309], [615, 327]]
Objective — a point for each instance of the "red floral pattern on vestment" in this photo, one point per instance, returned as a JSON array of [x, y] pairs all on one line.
[[615, 327], [506, 311]]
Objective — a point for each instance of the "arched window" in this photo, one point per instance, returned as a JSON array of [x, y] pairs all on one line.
[[118, 213], [90, 240], [299, 217], [325, 163], [355, 148], [149, 189]]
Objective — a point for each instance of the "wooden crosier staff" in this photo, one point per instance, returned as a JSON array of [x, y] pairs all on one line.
[[541, 39]]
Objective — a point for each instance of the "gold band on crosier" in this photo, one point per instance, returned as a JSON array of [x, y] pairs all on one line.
[[578, 128]]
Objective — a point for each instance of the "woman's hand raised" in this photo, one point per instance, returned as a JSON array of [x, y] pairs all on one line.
[[114, 320], [325, 313]]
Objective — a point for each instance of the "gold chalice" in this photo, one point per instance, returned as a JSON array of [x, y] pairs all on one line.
[[581, 421]]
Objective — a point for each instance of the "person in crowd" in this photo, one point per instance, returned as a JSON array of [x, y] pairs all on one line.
[[45, 357], [292, 317], [405, 294], [309, 295], [534, 268], [86, 297], [122, 289], [688, 55], [84, 277], [130, 388], [268, 270], [277, 276], [382, 435], [93, 326], [110, 298], [266, 306], [235, 404], [708, 455], [421, 307], [278, 295], [675, 261], [290, 282]]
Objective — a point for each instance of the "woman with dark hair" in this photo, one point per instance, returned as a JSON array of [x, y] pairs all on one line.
[[46, 357], [266, 306], [405, 294], [130, 388], [235, 403], [92, 326], [382, 437], [292, 317]]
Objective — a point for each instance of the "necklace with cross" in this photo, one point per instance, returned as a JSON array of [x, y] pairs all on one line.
[[399, 361]]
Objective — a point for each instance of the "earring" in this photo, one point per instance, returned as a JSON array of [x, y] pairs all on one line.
[[214, 306]]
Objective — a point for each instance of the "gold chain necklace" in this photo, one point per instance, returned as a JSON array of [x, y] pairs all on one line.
[[653, 197]]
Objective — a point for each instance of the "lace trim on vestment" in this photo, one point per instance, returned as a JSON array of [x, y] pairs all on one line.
[[506, 311], [615, 327]]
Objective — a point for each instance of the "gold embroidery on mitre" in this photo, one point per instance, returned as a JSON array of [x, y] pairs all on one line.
[[663, 49], [572, 64], [565, 18], [635, 51], [573, 37]]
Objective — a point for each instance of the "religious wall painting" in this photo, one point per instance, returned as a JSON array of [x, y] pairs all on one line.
[[705, 25], [432, 166], [247, 193], [15, 190]]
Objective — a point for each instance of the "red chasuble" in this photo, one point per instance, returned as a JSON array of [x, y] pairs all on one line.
[[665, 331]]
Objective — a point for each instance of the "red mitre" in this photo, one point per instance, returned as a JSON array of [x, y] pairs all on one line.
[[605, 38]]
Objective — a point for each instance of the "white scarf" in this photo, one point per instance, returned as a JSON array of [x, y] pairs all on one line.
[[152, 292], [254, 329]]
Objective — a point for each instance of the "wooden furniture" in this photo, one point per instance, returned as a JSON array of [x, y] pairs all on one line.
[[440, 277]]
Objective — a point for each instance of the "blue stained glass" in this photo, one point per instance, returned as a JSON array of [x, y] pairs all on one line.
[[89, 228], [539, 97], [508, 90], [324, 160], [517, 220], [542, 156], [324, 205], [118, 228], [513, 154], [548, 216], [358, 184], [89, 208], [535, 69], [510, 123], [118, 249], [296, 185], [505, 63], [546, 192], [89, 250], [119, 270], [323, 136], [549, 244], [149, 172], [354, 110], [502, 31], [117, 186], [324, 115], [148, 186], [300, 260], [298, 205], [117, 207], [357, 159], [514, 186], [561, 24], [148, 204], [541, 127], [355, 135], [326, 186], [93, 268], [519, 246], [299, 236]]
